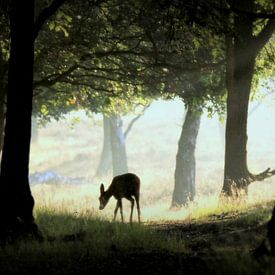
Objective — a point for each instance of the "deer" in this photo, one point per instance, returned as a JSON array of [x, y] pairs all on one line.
[[123, 186]]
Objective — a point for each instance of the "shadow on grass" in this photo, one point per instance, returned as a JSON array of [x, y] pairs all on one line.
[[86, 244]]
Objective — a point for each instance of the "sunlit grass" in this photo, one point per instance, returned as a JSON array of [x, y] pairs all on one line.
[[82, 199], [91, 236], [151, 149]]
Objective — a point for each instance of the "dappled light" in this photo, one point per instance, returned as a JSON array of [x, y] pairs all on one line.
[[136, 137]]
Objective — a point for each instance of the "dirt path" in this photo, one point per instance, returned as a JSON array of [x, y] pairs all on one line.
[[224, 232]]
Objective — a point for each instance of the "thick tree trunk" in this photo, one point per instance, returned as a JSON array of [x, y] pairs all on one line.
[[184, 190], [119, 157], [242, 50], [239, 74], [16, 200], [236, 128], [105, 162]]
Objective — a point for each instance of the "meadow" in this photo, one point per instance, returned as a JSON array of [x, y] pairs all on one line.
[[73, 150], [205, 237]]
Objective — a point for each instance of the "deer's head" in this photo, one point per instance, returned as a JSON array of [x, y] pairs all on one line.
[[103, 199]]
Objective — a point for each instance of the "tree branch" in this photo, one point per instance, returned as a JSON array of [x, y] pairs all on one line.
[[192, 68], [265, 174], [259, 177], [53, 78], [90, 85], [132, 122], [253, 15], [263, 37], [45, 15]]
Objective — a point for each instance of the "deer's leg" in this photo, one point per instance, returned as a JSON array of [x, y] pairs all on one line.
[[132, 207], [138, 209], [115, 212], [119, 201]]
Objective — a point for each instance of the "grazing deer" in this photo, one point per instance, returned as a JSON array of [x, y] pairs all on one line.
[[123, 186]]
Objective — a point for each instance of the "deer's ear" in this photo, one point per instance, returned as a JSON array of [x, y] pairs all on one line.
[[101, 188]]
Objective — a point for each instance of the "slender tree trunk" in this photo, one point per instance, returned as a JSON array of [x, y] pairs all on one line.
[[119, 157], [16, 200], [105, 162], [184, 190]]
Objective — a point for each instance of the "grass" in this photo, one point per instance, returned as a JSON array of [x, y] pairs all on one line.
[[81, 243], [101, 233], [84, 243], [207, 237]]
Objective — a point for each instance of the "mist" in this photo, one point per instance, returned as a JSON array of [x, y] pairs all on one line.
[[71, 151]]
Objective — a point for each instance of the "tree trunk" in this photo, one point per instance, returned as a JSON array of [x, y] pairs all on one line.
[[236, 125], [105, 162], [184, 190], [3, 91], [119, 157], [239, 73], [16, 200], [2, 118]]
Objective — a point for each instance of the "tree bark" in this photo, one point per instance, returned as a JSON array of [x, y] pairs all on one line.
[[118, 147], [184, 190], [16, 199], [3, 92], [2, 117], [240, 70], [241, 53], [105, 162]]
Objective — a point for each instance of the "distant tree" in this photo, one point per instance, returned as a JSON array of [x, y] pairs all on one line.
[[106, 163], [185, 172], [211, 85]]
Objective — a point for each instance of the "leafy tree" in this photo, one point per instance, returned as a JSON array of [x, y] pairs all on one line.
[[139, 60], [244, 42]]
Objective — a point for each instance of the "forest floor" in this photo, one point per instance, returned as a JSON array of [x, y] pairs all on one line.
[[82, 244]]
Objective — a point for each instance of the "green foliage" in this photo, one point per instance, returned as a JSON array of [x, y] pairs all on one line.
[[123, 59], [61, 23], [110, 56]]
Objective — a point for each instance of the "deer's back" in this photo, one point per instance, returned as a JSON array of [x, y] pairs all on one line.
[[125, 185]]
